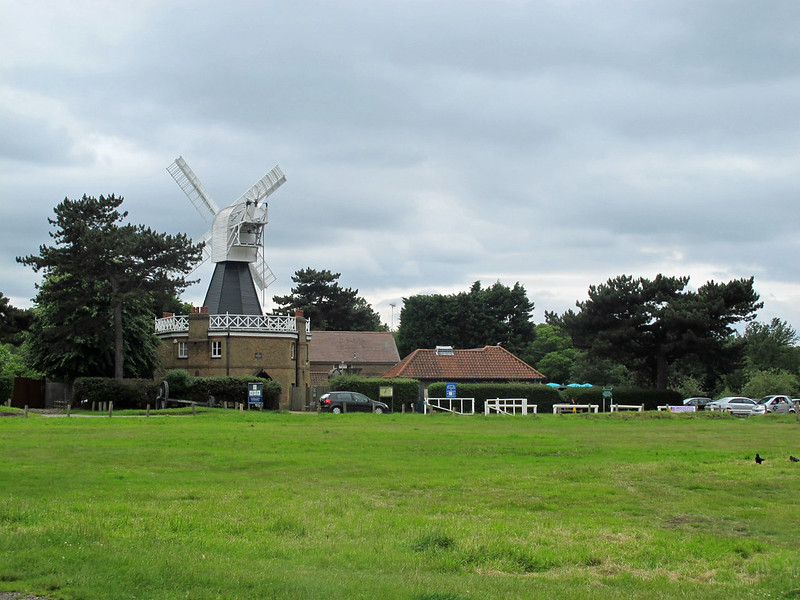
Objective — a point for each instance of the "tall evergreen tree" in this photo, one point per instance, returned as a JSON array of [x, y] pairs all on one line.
[[328, 305], [483, 316], [99, 278], [649, 324]]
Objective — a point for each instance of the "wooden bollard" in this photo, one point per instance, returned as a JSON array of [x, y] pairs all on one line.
[[147, 412], [110, 409], [26, 411]]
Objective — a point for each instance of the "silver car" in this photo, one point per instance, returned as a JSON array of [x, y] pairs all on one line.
[[778, 404], [737, 405]]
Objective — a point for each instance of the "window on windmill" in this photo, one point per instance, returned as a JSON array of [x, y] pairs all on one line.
[[444, 351], [216, 349], [183, 352], [293, 351]]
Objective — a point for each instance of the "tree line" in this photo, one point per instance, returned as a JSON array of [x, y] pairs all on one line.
[[104, 280]]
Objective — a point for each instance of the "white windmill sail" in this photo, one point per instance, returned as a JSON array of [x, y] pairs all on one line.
[[193, 189], [236, 237]]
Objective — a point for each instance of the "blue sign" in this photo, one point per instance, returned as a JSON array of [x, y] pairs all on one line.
[[450, 390], [255, 393]]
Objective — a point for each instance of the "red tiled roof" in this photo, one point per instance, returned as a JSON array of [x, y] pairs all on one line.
[[353, 346], [484, 364]]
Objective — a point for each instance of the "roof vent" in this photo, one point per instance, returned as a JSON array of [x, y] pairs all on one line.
[[444, 351]]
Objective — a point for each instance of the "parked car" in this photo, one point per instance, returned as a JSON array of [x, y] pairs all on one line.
[[698, 401], [778, 404], [338, 402], [737, 405]]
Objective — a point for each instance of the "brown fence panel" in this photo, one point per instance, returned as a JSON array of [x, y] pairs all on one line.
[[28, 392]]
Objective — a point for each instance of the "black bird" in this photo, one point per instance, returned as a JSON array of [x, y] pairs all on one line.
[[793, 459], [759, 460]]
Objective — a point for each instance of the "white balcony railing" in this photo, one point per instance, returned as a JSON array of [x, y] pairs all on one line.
[[255, 323]]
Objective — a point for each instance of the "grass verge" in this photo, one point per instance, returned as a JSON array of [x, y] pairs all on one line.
[[263, 505]]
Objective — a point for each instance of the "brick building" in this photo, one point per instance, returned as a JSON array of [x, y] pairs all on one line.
[[269, 346]]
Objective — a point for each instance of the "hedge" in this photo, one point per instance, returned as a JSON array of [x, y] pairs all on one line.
[[138, 393], [651, 398], [404, 391], [6, 387], [542, 395], [124, 393]]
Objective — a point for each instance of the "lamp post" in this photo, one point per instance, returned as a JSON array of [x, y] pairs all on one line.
[[392, 304]]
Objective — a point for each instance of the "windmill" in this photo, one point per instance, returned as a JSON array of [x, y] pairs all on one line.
[[235, 242]]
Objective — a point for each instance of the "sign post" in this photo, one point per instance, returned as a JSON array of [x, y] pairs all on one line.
[[607, 395], [387, 391], [255, 395]]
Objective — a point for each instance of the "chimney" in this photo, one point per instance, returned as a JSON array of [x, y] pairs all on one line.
[[298, 312]]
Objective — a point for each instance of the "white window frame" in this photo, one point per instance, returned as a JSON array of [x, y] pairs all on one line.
[[183, 350], [294, 351], [216, 349]]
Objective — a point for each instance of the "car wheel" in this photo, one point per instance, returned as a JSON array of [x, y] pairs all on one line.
[[378, 410], [336, 410]]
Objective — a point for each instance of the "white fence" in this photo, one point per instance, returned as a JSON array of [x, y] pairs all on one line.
[[456, 406], [574, 408], [509, 406], [618, 407], [261, 323]]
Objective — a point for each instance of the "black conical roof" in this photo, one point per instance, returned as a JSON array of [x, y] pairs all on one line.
[[232, 290]]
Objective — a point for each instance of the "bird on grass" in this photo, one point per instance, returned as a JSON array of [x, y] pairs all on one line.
[[794, 459], [759, 460]]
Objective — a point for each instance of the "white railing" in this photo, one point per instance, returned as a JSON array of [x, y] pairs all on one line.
[[456, 406], [170, 324], [253, 323], [509, 406], [559, 409], [258, 323], [619, 407]]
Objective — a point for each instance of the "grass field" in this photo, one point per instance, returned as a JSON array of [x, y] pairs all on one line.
[[262, 505]]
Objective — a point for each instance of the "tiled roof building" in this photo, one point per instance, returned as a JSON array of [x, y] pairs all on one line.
[[487, 364], [366, 353]]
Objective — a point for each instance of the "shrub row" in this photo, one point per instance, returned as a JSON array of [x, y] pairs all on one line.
[[6, 387], [232, 390], [651, 399], [138, 393], [404, 391], [124, 393]]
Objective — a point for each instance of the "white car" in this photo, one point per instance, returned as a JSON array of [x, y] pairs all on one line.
[[778, 404], [737, 405]]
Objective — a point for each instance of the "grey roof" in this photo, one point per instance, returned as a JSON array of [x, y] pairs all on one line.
[[353, 347], [232, 290]]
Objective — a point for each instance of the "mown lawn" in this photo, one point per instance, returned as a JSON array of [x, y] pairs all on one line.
[[262, 505]]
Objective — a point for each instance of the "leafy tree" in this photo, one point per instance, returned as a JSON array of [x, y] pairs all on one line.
[[100, 282], [483, 316], [551, 352], [771, 346], [327, 305], [649, 324], [763, 383], [14, 322]]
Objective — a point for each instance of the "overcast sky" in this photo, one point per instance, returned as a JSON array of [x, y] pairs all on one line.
[[426, 144]]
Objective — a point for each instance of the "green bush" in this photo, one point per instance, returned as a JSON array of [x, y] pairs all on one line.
[[543, 396], [179, 381], [232, 390], [6, 387], [651, 398], [138, 393], [124, 393], [404, 391]]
